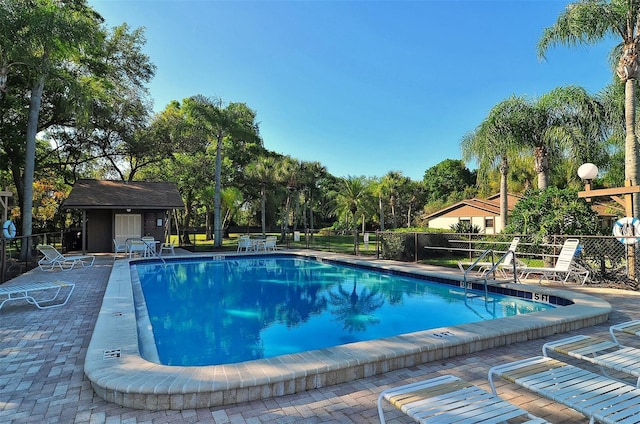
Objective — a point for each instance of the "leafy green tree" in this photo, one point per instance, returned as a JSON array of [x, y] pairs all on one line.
[[234, 124], [448, 180], [543, 213], [589, 22], [43, 38]]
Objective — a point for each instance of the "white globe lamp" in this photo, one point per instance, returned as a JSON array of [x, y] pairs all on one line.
[[587, 172]]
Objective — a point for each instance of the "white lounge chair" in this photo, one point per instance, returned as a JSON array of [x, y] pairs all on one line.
[[503, 267], [604, 353], [53, 258], [28, 292], [565, 265], [449, 399], [597, 397], [629, 327]]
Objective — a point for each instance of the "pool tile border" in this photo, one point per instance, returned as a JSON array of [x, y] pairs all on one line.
[[131, 381]]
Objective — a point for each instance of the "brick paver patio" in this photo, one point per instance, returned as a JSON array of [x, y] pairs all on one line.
[[42, 358]]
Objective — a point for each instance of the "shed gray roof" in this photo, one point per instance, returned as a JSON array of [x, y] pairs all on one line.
[[106, 194]]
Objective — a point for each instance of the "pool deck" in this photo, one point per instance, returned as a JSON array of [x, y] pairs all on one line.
[[43, 352]]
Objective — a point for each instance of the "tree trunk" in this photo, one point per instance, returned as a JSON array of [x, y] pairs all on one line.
[[217, 208], [630, 145], [393, 212], [30, 163], [311, 213], [541, 166], [504, 201], [381, 206], [263, 207]]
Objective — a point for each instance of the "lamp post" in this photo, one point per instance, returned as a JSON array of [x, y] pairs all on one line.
[[587, 172]]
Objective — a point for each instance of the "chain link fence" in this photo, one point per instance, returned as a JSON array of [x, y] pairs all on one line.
[[613, 262]]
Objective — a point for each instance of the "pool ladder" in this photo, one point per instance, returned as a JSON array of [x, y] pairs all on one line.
[[491, 270]]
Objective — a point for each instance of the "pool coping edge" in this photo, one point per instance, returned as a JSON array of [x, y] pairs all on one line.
[[120, 375]]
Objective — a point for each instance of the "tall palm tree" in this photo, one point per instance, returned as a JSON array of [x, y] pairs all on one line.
[[264, 170], [494, 141], [566, 121], [312, 174], [354, 195], [392, 182], [589, 22]]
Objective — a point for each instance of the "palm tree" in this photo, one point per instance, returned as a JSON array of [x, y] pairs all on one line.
[[264, 170], [589, 22], [392, 183], [354, 196], [312, 173], [379, 191], [495, 140]]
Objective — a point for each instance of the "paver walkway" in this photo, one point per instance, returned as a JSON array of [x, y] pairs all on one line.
[[42, 358]]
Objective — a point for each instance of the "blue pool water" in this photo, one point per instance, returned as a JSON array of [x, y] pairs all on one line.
[[233, 310]]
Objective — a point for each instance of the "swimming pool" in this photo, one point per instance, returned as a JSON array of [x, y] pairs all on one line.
[[119, 374], [206, 312]]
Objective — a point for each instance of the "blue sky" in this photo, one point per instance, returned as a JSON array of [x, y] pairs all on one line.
[[363, 87]]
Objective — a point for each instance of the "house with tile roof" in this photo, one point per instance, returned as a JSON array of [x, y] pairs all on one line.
[[118, 210], [485, 214]]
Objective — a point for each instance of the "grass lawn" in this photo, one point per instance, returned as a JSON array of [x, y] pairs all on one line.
[[333, 243]]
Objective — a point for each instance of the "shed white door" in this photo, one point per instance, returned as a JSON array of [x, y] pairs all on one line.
[[127, 226]]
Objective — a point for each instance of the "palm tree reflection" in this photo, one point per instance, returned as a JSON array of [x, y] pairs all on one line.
[[354, 309]]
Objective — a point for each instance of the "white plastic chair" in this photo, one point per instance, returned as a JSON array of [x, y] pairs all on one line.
[[166, 247], [245, 243]]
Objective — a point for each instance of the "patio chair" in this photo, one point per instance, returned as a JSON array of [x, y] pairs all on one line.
[[595, 396], [503, 266], [27, 292], [628, 327], [449, 399], [119, 248], [565, 265], [245, 243], [167, 248], [604, 353], [270, 243], [53, 258]]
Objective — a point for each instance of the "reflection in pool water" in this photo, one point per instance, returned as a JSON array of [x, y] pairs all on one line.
[[234, 310]]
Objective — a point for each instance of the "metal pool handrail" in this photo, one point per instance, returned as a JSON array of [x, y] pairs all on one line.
[[491, 270], [473, 265]]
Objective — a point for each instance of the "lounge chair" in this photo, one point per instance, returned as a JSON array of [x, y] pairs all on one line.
[[629, 327], [53, 258], [565, 265], [595, 396], [503, 267], [27, 292], [604, 353], [448, 399]]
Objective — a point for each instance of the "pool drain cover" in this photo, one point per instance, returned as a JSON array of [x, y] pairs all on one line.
[[444, 334], [112, 353]]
